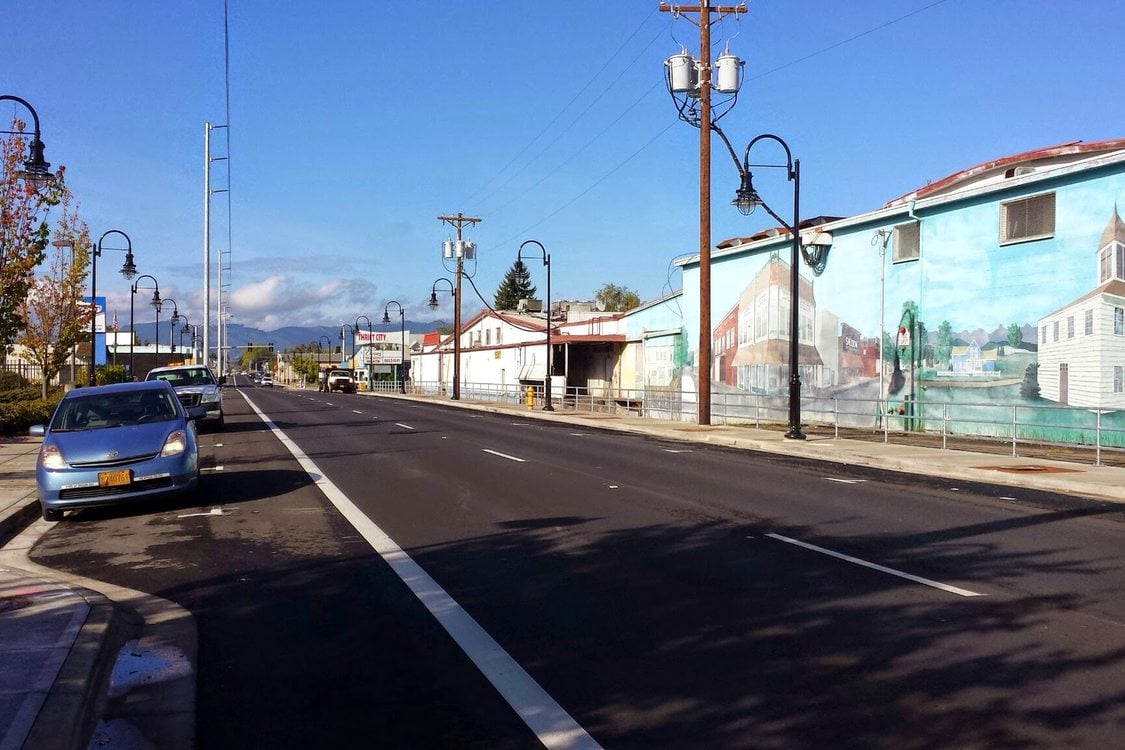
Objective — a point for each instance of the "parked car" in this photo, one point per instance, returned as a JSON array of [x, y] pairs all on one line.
[[267, 380], [195, 385], [118, 443]]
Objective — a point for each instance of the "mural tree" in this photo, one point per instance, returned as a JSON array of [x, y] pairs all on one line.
[[943, 348], [1015, 335]]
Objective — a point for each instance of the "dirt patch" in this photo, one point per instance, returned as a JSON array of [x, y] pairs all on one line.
[[1029, 469]]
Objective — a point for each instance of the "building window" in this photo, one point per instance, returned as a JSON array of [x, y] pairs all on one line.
[[1118, 321], [907, 242], [1027, 219], [1111, 262], [488, 337], [1070, 326], [1055, 331], [1043, 337], [1118, 379], [1089, 322]]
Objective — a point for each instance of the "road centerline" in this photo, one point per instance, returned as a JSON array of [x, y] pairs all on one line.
[[875, 566], [504, 455]]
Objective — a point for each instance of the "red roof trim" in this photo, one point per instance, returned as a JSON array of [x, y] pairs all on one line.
[[1062, 149]]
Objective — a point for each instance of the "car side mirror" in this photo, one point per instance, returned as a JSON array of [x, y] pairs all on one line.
[[37, 430]]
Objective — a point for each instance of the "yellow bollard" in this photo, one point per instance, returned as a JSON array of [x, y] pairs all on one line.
[[529, 397]]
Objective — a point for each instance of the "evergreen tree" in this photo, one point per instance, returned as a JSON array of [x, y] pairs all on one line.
[[515, 286]]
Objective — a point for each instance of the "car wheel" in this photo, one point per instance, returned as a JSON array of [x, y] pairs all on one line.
[[220, 424], [52, 514]]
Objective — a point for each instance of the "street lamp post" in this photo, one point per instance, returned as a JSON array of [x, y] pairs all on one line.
[[156, 302], [746, 200], [343, 350], [327, 342], [128, 270], [402, 349], [172, 323], [369, 346], [36, 169], [548, 405], [433, 305]]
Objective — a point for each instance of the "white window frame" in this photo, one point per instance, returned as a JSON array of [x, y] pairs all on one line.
[[907, 244]]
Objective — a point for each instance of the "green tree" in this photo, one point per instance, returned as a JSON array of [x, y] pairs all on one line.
[[1015, 335], [515, 286], [613, 298], [24, 233]]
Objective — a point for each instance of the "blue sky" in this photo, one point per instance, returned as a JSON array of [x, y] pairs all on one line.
[[355, 124]]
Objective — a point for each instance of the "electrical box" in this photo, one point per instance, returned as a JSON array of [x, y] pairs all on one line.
[[447, 249], [683, 76], [728, 74]]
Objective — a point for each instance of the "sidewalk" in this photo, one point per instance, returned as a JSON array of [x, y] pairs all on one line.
[[60, 637], [74, 650]]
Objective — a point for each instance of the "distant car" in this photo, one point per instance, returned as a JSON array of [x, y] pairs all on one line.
[[340, 380], [267, 381], [120, 443], [196, 386]]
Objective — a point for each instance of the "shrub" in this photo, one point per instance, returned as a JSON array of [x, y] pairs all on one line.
[[17, 416], [10, 380]]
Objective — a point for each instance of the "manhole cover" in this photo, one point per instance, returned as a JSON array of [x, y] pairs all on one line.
[[1029, 469]]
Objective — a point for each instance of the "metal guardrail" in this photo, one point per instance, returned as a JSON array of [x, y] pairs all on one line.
[[1022, 426]]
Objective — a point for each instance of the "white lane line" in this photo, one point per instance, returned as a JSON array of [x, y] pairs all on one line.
[[554, 727], [329, 403], [673, 450], [874, 566], [356, 411], [845, 481], [503, 455], [215, 511], [579, 434], [211, 468], [403, 426]]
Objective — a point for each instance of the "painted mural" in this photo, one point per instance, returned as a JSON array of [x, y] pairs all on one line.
[[1004, 304]]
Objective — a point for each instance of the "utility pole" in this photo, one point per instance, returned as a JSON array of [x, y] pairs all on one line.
[[458, 221], [704, 10]]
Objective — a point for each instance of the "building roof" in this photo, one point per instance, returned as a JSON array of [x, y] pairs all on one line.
[[1114, 230], [1010, 166]]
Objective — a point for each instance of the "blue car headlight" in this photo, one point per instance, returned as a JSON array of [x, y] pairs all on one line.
[[175, 444]]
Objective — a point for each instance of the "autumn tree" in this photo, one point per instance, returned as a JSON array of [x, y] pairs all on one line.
[[24, 233], [515, 286], [614, 298], [53, 320]]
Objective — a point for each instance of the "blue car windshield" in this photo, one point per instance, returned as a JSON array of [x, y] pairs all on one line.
[[114, 410]]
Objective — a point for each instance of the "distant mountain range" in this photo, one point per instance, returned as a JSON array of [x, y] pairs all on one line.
[[282, 338]]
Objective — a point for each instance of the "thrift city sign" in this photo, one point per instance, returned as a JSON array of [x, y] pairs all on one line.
[[379, 348]]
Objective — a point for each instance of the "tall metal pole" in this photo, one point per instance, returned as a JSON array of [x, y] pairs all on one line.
[[207, 244], [794, 432], [458, 221], [92, 379]]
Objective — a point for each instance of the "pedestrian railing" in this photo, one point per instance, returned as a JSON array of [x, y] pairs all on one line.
[[1100, 433]]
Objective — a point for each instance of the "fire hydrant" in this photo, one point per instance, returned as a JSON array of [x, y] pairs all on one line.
[[529, 397]]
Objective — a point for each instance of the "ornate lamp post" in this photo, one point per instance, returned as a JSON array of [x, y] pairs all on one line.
[[156, 302], [172, 323], [128, 270], [433, 305], [746, 200], [547, 406], [402, 350], [36, 170]]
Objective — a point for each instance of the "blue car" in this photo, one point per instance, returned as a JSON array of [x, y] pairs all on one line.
[[117, 443]]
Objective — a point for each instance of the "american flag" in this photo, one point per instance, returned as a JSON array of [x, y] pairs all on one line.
[[114, 325]]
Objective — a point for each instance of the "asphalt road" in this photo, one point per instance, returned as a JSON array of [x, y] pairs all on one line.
[[656, 594]]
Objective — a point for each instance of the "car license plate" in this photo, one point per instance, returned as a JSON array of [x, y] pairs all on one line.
[[115, 478]]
